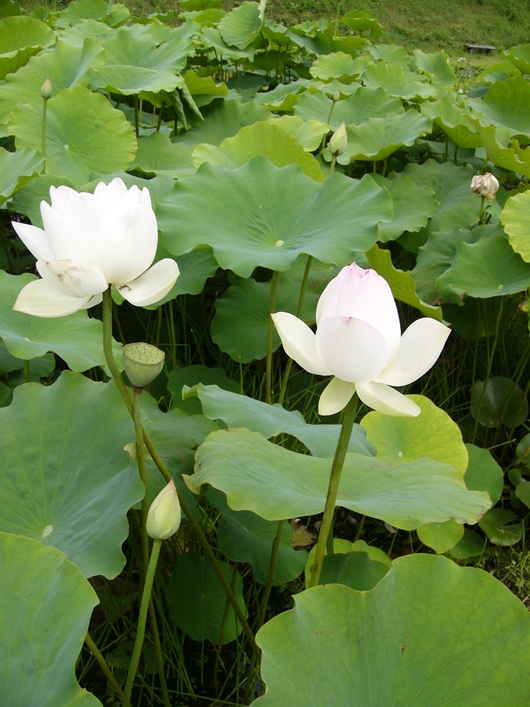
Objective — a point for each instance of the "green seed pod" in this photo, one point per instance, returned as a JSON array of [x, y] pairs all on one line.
[[142, 363]]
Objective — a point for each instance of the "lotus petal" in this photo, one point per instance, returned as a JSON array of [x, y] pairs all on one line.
[[383, 398], [40, 299], [299, 343], [336, 395], [154, 284]]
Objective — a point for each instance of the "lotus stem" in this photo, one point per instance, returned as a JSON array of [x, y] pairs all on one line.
[[350, 412], [103, 665], [144, 606], [272, 309]]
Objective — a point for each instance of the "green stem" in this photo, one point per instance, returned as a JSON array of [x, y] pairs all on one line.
[[336, 470], [43, 148], [158, 653], [144, 606], [263, 611], [113, 368], [103, 665], [27, 376], [140, 459], [481, 214], [272, 309]]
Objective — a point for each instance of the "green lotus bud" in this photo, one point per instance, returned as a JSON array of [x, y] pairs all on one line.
[[142, 363], [163, 519], [46, 90], [336, 96], [339, 141]]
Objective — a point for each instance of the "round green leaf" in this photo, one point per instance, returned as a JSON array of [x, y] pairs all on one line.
[[506, 104], [495, 268], [377, 138], [413, 205], [308, 133], [471, 545], [20, 38], [483, 473], [502, 527], [17, 169], [429, 633], [197, 601], [455, 121], [241, 26], [354, 569], [337, 65], [502, 402], [277, 484], [158, 155], [134, 65], [84, 134], [398, 81], [436, 66], [77, 339], [260, 214], [245, 537], [516, 221], [403, 439], [441, 536], [364, 103], [66, 480], [44, 615], [520, 57], [262, 138]]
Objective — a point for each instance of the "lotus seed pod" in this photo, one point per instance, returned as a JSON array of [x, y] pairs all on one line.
[[46, 90], [142, 363]]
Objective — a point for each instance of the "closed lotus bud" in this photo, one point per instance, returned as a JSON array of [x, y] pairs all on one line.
[[46, 90], [339, 141], [163, 519], [485, 185], [142, 363], [336, 96]]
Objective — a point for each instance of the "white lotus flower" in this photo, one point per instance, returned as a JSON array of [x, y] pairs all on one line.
[[485, 185], [358, 341], [89, 242]]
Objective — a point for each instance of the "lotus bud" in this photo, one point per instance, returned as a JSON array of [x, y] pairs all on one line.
[[163, 519], [336, 96], [46, 90], [339, 141], [485, 185], [142, 363]]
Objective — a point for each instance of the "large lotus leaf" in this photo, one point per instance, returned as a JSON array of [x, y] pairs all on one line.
[[511, 157], [506, 104], [203, 88], [487, 268], [262, 215], [240, 326], [77, 339], [17, 169], [430, 633], [413, 205], [458, 207], [502, 527], [401, 282], [500, 401], [520, 57], [377, 138], [398, 81], [390, 53], [44, 615], [182, 379], [237, 410], [158, 155], [84, 9], [84, 29], [20, 38], [277, 483], [84, 134], [211, 38], [434, 258], [455, 121], [362, 21], [370, 571], [314, 38], [134, 65], [65, 479], [516, 221], [64, 65], [442, 537], [197, 601], [436, 66], [483, 473], [283, 97], [242, 25], [404, 439], [337, 65], [245, 537], [223, 120], [262, 138], [309, 134], [364, 103]]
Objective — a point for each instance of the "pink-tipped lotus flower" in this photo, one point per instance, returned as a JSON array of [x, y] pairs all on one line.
[[358, 341], [91, 241]]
